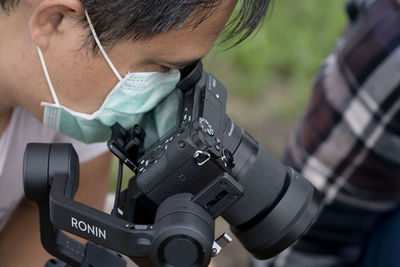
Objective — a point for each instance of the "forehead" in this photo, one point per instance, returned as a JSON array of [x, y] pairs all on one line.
[[189, 41]]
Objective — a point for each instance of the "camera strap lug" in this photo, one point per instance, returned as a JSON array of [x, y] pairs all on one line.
[[201, 157]]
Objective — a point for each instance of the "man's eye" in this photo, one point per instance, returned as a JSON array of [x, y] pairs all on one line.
[[164, 69]]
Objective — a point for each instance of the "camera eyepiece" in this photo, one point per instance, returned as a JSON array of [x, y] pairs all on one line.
[[190, 76]]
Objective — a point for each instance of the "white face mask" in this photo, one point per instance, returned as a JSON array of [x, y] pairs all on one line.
[[135, 94]]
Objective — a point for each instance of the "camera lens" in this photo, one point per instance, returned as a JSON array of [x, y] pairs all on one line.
[[277, 228], [278, 205]]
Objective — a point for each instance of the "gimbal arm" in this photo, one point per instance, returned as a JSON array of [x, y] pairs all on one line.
[[71, 251], [91, 224], [64, 211]]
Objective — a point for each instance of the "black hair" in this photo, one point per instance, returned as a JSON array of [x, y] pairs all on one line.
[[115, 20]]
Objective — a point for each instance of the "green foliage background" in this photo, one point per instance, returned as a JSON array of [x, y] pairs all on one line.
[[287, 51]]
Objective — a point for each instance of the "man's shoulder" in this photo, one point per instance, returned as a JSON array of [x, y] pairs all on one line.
[[29, 129], [24, 125]]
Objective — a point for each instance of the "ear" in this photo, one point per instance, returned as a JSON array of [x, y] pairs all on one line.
[[51, 17]]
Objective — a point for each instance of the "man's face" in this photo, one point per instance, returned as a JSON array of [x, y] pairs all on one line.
[[83, 80]]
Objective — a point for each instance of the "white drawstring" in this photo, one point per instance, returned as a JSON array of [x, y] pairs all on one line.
[[46, 74], [96, 38]]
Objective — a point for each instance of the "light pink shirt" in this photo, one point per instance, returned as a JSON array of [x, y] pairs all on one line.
[[22, 129]]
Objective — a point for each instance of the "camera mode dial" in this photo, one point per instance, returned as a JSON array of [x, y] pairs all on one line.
[[206, 126]]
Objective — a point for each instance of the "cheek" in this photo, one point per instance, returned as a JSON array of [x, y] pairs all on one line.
[[86, 85]]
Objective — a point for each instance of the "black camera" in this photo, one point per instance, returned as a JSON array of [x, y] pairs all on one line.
[[202, 167], [276, 204]]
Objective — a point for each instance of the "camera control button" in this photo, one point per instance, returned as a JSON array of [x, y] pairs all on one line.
[[228, 158], [206, 126], [201, 140], [181, 144], [217, 147], [209, 131], [184, 126], [157, 153]]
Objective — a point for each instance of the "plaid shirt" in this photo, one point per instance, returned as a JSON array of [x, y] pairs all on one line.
[[348, 142]]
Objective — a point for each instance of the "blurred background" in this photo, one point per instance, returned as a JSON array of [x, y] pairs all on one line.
[[269, 79]]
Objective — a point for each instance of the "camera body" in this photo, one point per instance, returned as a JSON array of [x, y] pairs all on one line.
[[198, 150], [205, 144]]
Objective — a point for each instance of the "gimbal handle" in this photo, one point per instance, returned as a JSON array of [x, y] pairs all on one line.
[[51, 179]]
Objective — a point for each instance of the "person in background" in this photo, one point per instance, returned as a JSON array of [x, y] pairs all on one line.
[[348, 146]]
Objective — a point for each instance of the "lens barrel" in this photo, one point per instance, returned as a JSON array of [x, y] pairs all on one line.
[[278, 205], [273, 230]]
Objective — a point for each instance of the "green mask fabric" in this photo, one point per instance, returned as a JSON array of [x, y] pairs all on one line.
[[129, 103]]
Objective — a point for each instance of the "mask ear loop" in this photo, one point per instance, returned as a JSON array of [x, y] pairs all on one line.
[[96, 38], [46, 74]]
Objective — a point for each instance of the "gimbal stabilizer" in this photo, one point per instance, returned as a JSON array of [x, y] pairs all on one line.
[[182, 234], [203, 167]]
